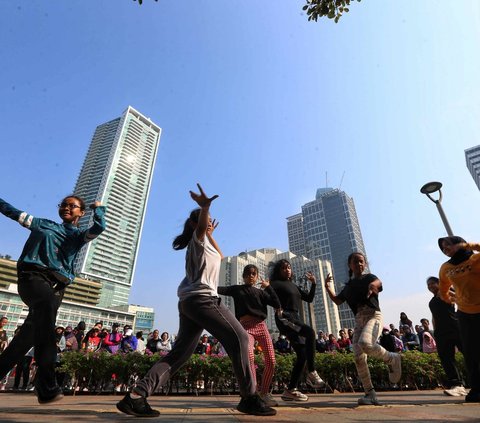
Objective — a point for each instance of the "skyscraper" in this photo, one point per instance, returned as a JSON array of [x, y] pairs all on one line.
[[472, 156], [328, 229], [321, 314], [118, 172]]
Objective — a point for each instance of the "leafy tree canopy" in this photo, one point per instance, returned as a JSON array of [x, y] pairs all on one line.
[[332, 9]]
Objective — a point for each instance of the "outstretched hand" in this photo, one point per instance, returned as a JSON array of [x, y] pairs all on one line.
[[96, 204], [202, 199], [311, 277]]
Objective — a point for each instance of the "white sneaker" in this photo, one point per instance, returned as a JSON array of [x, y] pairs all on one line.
[[456, 391], [314, 380], [293, 395], [370, 398], [269, 400], [395, 368]]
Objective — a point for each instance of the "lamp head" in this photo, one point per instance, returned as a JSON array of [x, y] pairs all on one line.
[[431, 187]]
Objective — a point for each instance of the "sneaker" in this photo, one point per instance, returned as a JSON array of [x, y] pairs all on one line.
[[473, 396], [314, 380], [370, 398], [254, 405], [269, 400], [456, 391], [395, 368], [293, 395], [136, 407]]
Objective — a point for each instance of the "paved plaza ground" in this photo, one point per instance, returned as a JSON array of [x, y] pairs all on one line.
[[405, 406]]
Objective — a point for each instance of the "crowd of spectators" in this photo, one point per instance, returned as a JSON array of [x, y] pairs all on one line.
[[406, 337]]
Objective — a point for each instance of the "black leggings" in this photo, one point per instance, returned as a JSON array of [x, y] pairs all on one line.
[[302, 340]]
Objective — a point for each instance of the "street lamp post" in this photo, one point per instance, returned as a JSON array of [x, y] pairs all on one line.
[[428, 189]]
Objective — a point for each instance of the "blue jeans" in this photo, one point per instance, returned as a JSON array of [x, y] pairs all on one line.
[[196, 314]]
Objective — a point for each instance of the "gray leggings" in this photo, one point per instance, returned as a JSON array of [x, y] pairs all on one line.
[[368, 324], [196, 314]]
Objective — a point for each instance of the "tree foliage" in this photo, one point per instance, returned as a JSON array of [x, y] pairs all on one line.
[[332, 9]]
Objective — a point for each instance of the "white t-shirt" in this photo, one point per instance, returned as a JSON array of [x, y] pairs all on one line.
[[202, 267]]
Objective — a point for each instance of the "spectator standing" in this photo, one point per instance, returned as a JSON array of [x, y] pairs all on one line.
[[3, 334], [404, 320], [140, 343], [71, 343], [462, 272], [113, 340], [165, 343], [447, 332], [153, 342], [129, 340]]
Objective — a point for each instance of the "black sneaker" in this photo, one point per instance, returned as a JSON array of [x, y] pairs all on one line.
[[254, 405], [136, 407], [54, 397]]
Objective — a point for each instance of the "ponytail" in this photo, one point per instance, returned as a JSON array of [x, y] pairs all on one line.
[[182, 240]]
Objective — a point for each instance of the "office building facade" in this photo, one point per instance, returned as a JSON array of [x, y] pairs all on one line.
[[472, 157], [79, 303], [117, 171], [328, 229]]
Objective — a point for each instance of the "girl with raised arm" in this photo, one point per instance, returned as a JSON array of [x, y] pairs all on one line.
[[251, 310], [301, 336], [200, 308], [45, 268], [361, 294]]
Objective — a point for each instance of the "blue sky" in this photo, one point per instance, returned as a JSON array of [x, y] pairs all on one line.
[[258, 105]]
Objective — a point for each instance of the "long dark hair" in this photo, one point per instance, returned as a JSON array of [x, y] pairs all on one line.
[[276, 270], [182, 240], [350, 258]]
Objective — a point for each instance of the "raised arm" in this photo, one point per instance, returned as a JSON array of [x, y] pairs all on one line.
[[19, 216], [99, 223], [331, 292], [204, 225], [308, 296], [270, 296]]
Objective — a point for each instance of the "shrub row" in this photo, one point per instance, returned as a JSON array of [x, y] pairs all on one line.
[[103, 372]]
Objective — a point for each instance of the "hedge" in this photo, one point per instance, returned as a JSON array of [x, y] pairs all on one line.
[[213, 374]]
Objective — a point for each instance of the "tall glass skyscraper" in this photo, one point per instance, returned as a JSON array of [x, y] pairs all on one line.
[[328, 229], [472, 156], [118, 172]]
